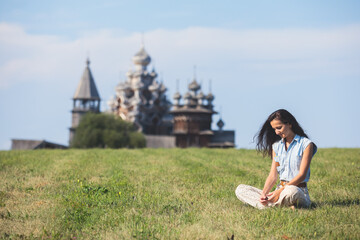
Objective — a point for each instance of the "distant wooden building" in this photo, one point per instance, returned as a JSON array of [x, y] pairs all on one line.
[[22, 144], [192, 121], [86, 99], [141, 98]]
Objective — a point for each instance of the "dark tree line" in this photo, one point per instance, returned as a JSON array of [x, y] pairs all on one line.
[[106, 131]]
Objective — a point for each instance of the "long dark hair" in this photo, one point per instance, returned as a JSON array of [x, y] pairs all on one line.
[[266, 137]]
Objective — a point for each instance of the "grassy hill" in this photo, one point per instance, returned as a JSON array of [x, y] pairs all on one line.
[[168, 194]]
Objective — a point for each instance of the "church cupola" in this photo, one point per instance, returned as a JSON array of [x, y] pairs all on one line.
[[200, 98], [220, 124], [194, 86], [187, 98], [177, 97], [210, 99], [141, 59]]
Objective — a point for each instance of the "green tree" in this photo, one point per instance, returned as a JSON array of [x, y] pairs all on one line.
[[106, 131]]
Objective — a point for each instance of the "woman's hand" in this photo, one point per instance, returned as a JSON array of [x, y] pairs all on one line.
[[274, 196], [264, 198]]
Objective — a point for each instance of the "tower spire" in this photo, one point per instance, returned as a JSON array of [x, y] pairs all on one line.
[[161, 77], [210, 82], [142, 40], [86, 89], [87, 56]]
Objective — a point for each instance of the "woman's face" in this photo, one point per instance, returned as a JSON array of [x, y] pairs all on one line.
[[281, 129]]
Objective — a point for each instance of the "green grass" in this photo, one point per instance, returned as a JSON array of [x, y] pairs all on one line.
[[168, 194]]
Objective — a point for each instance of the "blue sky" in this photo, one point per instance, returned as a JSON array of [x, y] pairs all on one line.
[[260, 55]]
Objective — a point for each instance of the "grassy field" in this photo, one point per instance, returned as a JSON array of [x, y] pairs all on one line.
[[168, 194]]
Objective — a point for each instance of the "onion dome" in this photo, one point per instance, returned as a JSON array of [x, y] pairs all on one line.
[[154, 86], [142, 58], [200, 95], [138, 85], [177, 96], [162, 88], [153, 73], [187, 95], [134, 101], [220, 124], [194, 86], [129, 74], [210, 97], [123, 86]]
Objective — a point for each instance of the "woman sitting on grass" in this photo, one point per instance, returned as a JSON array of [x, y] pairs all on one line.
[[282, 139]]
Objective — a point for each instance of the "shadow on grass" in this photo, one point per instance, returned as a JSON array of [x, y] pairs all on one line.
[[313, 205], [338, 202]]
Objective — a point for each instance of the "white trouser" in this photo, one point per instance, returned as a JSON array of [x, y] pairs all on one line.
[[290, 196]]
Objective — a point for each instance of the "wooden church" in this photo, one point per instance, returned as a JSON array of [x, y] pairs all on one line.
[[141, 99]]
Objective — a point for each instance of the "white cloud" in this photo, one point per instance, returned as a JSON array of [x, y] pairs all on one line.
[[277, 53]]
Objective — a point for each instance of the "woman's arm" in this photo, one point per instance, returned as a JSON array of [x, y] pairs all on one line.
[[270, 181]]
